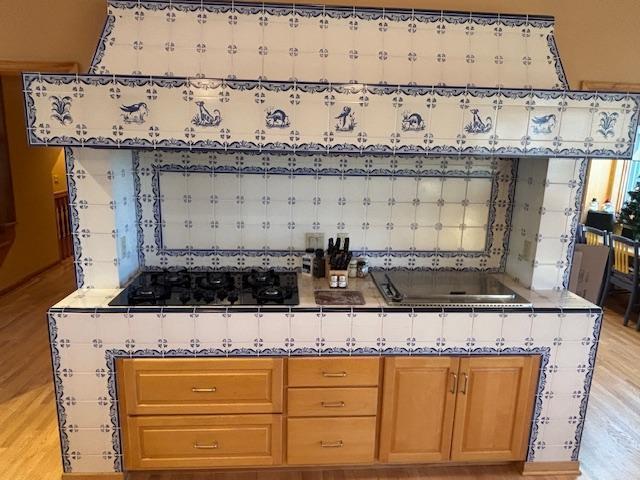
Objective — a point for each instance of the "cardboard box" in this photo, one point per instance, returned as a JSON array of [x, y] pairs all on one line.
[[588, 271]]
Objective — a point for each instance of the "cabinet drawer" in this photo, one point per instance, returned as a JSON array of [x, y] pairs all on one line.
[[332, 402], [345, 440], [170, 442], [201, 386], [334, 372]]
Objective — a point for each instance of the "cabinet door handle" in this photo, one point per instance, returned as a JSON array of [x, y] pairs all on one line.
[[334, 374], [464, 385], [454, 383], [200, 446], [203, 390], [332, 404], [337, 444]]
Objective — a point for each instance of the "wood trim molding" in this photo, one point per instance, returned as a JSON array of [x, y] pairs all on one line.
[[28, 278], [550, 468], [93, 476], [610, 86], [12, 67]]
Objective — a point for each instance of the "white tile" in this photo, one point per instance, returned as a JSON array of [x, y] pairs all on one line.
[[178, 329], [397, 329], [457, 327], [336, 327], [366, 327], [145, 328], [77, 327]]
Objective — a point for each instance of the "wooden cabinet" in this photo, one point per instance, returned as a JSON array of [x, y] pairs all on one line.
[[334, 372], [181, 413], [494, 407], [418, 403], [167, 412], [460, 409], [336, 399], [343, 440], [332, 402], [200, 441], [202, 385]]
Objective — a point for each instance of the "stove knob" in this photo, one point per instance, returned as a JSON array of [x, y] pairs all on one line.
[[184, 298], [222, 294], [209, 296], [232, 297]]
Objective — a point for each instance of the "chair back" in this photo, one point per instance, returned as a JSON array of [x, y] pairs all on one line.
[[624, 253], [593, 236]]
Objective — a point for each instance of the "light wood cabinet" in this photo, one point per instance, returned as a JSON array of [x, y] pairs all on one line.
[[459, 409], [332, 402], [418, 403], [181, 413], [334, 372], [494, 407], [202, 385], [344, 440], [200, 441]]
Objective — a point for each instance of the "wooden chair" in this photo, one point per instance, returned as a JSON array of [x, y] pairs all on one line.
[[623, 270], [592, 236]]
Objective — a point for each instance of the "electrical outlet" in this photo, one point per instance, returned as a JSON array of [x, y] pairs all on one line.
[[526, 250], [123, 245], [314, 240]]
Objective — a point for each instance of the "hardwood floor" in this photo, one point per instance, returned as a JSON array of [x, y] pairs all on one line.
[[29, 438]]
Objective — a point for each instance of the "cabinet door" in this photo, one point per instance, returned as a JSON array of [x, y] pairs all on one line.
[[494, 407], [417, 409]]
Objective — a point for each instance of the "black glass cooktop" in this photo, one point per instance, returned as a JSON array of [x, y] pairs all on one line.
[[192, 288]]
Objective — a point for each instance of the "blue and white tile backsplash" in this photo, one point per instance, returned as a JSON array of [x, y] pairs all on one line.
[[240, 210], [328, 44]]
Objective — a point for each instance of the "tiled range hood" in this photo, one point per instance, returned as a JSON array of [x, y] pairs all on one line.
[[191, 75], [184, 88]]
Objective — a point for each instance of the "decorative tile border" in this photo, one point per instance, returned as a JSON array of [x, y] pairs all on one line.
[[339, 44], [84, 373], [74, 217], [230, 115], [149, 165]]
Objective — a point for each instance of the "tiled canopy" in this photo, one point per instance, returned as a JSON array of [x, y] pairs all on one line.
[[236, 40]]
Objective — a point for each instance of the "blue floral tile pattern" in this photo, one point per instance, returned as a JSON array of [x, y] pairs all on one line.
[[249, 210], [84, 348], [233, 40]]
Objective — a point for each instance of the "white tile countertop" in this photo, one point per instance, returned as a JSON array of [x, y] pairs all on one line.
[[94, 298]]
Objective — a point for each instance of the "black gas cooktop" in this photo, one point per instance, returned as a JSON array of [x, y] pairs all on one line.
[[187, 288]]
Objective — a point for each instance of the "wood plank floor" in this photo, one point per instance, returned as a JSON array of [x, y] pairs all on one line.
[[29, 438]]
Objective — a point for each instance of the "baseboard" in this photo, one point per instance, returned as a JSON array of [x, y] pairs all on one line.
[[29, 277], [93, 476], [550, 468]]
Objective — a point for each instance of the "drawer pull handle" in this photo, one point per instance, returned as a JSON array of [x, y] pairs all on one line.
[[334, 374], [203, 390], [199, 446], [332, 404], [337, 444], [464, 387]]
